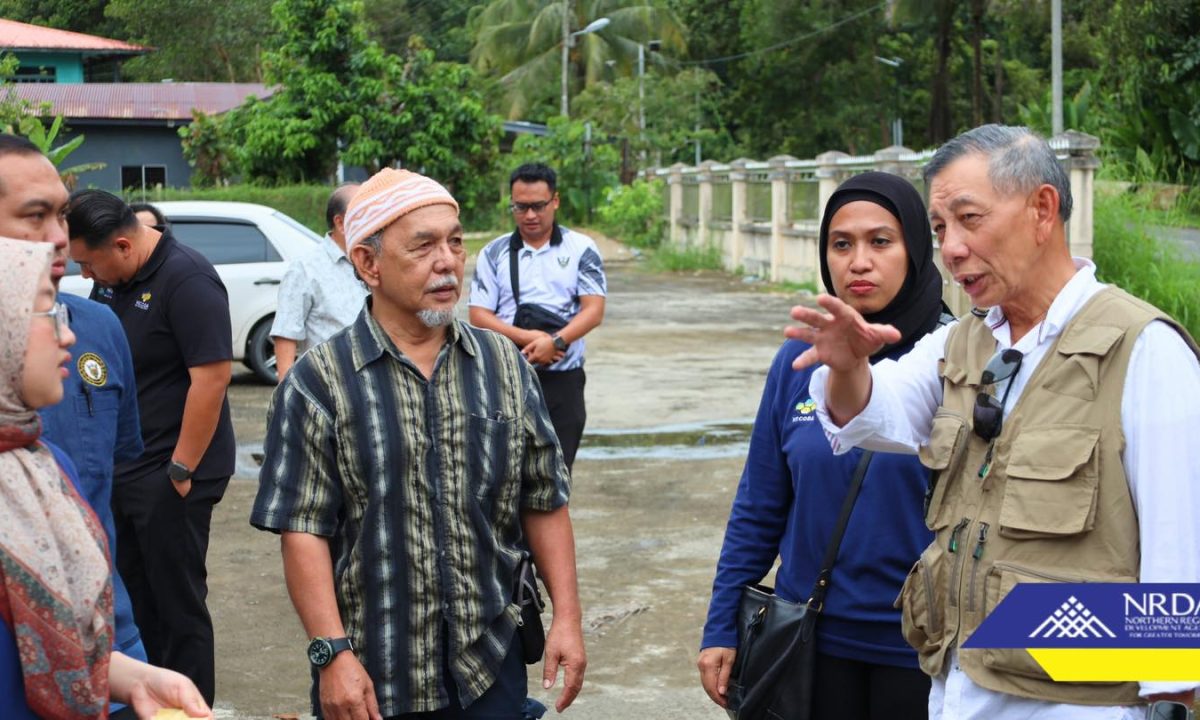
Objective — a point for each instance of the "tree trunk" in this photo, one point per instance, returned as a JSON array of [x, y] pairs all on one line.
[[939, 106], [998, 90], [978, 7]]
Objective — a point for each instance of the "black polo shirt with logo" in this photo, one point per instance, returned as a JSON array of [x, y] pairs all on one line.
[[175, 312]]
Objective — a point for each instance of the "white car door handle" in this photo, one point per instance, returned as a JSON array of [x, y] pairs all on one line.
[[266, 281]]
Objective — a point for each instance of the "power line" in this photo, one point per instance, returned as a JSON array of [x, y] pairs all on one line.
[[786, 43]]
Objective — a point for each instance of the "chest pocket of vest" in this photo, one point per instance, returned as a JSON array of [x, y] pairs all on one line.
[[1053, 482], [944, 455]]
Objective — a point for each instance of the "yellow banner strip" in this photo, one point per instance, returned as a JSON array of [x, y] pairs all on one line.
[[1120, 664]]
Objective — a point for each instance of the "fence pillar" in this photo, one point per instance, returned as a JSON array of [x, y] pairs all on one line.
[[705, 177], [780, 211], [740, 213], [828, 178], [675, 184], [1081, 165], [889, 160]]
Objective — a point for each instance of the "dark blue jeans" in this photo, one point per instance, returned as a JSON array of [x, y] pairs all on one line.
[[502, 701]]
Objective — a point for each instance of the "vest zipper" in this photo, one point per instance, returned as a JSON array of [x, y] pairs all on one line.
[[953, 548], [977, 555], [986, 468]]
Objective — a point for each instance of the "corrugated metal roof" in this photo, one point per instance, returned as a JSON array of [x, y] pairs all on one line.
[[23, 36], [139, 101]]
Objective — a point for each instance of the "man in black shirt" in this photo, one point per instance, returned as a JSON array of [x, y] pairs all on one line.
[[175, 312]]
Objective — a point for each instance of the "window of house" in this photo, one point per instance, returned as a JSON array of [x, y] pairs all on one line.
[[143, 177], [35, 75]]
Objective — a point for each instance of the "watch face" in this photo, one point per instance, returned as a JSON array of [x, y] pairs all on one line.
[[320, 652]]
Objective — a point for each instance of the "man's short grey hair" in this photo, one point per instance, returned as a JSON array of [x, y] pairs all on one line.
[[1019, 161]]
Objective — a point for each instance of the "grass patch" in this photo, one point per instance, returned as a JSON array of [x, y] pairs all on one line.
[[1129, 256], [669, 258]]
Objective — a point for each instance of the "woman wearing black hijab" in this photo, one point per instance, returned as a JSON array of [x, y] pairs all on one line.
[[876, 255]]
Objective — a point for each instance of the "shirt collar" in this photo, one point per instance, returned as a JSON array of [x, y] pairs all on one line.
[[516, 242], [1078, 290], [165, 244], [332, 250], [369, 341]]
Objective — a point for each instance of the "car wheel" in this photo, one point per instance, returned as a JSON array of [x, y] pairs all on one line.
[[260, 351]]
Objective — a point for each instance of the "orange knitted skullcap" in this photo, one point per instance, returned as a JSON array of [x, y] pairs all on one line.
[[386, 197]]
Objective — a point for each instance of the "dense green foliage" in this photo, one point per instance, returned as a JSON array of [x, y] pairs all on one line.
[[634, 214], [520, 42], [752, 78], [1128, 254], [670, 258]]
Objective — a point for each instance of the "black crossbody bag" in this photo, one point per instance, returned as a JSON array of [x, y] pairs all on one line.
[[530, 316], [772, 676], [529, 600]]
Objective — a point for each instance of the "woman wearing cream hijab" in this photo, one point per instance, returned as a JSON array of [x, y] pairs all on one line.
[[56, 658]]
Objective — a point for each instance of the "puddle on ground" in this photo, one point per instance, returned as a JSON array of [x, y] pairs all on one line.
[[690, 441]]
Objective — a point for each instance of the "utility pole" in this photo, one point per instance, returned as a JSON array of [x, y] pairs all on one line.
[[1056, 89], [566, 56]]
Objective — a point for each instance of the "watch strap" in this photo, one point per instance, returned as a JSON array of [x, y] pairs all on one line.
[[178, 472]]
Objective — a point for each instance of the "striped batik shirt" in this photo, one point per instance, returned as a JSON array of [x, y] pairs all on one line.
[[419, 484]]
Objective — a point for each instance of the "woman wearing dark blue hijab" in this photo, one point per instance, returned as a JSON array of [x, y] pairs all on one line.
[[876, 254]]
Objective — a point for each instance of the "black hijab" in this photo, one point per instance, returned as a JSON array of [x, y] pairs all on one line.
[[917, 307]]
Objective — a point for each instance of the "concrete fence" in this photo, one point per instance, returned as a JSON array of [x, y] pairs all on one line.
[[764, 217]]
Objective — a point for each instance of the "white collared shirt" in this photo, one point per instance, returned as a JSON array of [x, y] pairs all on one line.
[[553, 276], [1160, 414], [319, 296]]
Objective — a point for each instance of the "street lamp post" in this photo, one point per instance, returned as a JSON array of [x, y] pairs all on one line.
[[568, 43], [653, 45], [897, 123]]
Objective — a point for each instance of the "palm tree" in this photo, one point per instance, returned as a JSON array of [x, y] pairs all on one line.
[[521, 42]]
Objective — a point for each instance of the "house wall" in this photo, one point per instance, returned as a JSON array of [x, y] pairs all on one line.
[[68, 66], [133, 145]]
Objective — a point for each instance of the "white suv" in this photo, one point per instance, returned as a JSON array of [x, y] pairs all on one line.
[[250, 246]]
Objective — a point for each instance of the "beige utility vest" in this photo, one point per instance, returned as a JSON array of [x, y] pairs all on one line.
[[1053, 504]]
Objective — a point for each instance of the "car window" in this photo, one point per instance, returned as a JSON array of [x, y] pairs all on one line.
[[225, 243], [302, 229]]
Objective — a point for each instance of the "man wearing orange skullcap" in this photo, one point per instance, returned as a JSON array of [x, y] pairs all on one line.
[[410, 464]]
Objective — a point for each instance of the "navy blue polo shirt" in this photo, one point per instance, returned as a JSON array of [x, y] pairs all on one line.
[[96, 424], [175, 312]]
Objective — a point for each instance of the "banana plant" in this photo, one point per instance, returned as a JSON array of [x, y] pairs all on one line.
[[33, 129]]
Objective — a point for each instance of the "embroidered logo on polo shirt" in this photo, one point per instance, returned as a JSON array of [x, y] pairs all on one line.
[[804, 411], [144, 302], [563, 260], [92, 369]]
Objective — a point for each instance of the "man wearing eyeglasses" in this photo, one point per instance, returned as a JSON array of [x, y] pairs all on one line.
[[560, 289], [1059, 419], [96, 423]]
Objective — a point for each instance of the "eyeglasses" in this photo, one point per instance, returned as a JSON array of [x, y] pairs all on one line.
[[988, 415], [61, 317], [522, 208]]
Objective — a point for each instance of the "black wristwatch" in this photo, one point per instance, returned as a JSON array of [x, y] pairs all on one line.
[[178, 472], [322, 651], [559, 343]]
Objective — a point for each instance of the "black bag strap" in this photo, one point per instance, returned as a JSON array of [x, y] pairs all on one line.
[[766, 688], [514, 250], [817, 600]]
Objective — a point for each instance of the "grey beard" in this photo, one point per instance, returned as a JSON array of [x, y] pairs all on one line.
[[435, 318]]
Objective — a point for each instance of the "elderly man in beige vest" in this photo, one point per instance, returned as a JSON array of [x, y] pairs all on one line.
[[1054, 376]]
